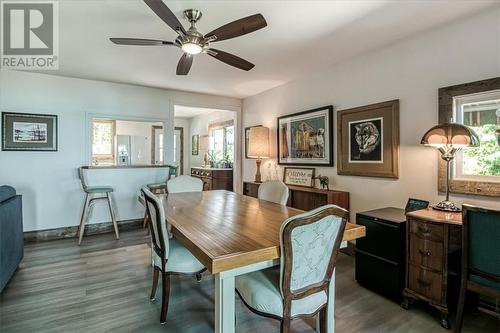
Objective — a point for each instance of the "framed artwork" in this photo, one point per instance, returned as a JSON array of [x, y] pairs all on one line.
[[195, 144], [247, 136], [299, 176], [368, 140], [306, 138], [29, 132]]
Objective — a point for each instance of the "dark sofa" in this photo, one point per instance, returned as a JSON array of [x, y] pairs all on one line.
[[11, 233]]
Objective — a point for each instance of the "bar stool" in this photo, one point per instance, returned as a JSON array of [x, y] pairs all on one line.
[[159, 188], [90, 191], [162, 187]]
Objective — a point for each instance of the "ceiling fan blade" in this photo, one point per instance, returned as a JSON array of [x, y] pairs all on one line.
[[165, 14], [239, 27], [140, 42], [184, 64], [231, 59]]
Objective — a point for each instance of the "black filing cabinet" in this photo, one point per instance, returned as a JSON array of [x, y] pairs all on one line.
[[380, 256]]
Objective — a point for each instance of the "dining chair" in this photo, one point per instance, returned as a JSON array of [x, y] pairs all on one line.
[[159, 188], [184, 184], [298, 287], [480, 256], [275, 191], [104, 193], [168, 255]]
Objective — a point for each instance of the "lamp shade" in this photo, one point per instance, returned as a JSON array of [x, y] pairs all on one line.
[[452, 135], [258, 142]]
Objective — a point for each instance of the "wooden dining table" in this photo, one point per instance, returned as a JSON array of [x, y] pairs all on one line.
[[234, 234]]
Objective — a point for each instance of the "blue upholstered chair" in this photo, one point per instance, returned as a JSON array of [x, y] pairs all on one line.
[[103, 193], [160, 188], [11, 233], [184, 184], [298, 287], [168, 255], [480, 255], [275, 191]]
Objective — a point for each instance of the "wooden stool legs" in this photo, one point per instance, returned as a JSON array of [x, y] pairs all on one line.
[[112, 212], [89, 201], [83, 220]]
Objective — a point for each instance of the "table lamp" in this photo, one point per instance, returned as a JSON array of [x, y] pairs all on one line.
[[448, 139], [258, 147]]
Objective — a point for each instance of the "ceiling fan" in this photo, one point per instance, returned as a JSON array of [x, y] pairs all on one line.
[[192, 42]]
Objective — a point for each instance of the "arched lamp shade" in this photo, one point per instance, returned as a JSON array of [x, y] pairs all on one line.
[[454, 135], [448, 139]]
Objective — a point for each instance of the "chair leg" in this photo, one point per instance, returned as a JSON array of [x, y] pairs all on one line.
[[156, 274], [83, 220], [323, 328], [460, 308], [285, 325], [165, 284], [112, 212]]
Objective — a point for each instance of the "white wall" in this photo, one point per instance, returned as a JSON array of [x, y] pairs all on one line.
[[184, 123], [52, 196], [199, 125], [412, 71]]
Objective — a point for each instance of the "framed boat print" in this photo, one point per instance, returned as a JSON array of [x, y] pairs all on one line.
[[29, 132], [306, 138], [368, 140]]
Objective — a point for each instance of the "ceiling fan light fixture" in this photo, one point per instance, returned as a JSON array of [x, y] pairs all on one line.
[[191, 48]]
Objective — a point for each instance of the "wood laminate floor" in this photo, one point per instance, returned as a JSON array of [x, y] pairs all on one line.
[[103, 286]]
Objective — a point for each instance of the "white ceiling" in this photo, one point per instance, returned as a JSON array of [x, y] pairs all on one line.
[[181, 111], [301, 36]]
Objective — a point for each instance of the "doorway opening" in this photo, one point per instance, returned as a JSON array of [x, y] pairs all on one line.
[[209, 139]]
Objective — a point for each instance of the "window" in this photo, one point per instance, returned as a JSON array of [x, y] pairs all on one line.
[[126, 142], [222, 141], [475, 170], [103, 134], [481, 112]]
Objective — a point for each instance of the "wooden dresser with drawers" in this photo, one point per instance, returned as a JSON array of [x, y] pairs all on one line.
[[433, 241], [214, 178]]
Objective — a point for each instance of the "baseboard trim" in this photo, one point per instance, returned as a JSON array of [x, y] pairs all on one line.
[[71, 232]]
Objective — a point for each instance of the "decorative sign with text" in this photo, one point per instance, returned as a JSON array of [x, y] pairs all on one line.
[[299, 176]]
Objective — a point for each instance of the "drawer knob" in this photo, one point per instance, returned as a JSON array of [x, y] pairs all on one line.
[[424, 253], [424, 231]]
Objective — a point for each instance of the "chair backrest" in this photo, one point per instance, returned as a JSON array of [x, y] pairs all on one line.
[[172, 171], [275, 191], [480, 239], [157, 226], [83, 180], [309, 246], [184, 184]]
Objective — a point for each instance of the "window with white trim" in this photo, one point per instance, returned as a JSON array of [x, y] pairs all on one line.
[[481, 112]]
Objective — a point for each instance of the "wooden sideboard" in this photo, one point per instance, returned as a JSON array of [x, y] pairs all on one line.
[[214, 179], [305, 198], [433, 242]]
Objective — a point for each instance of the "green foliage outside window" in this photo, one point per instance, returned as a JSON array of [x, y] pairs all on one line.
[[485, 159]]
